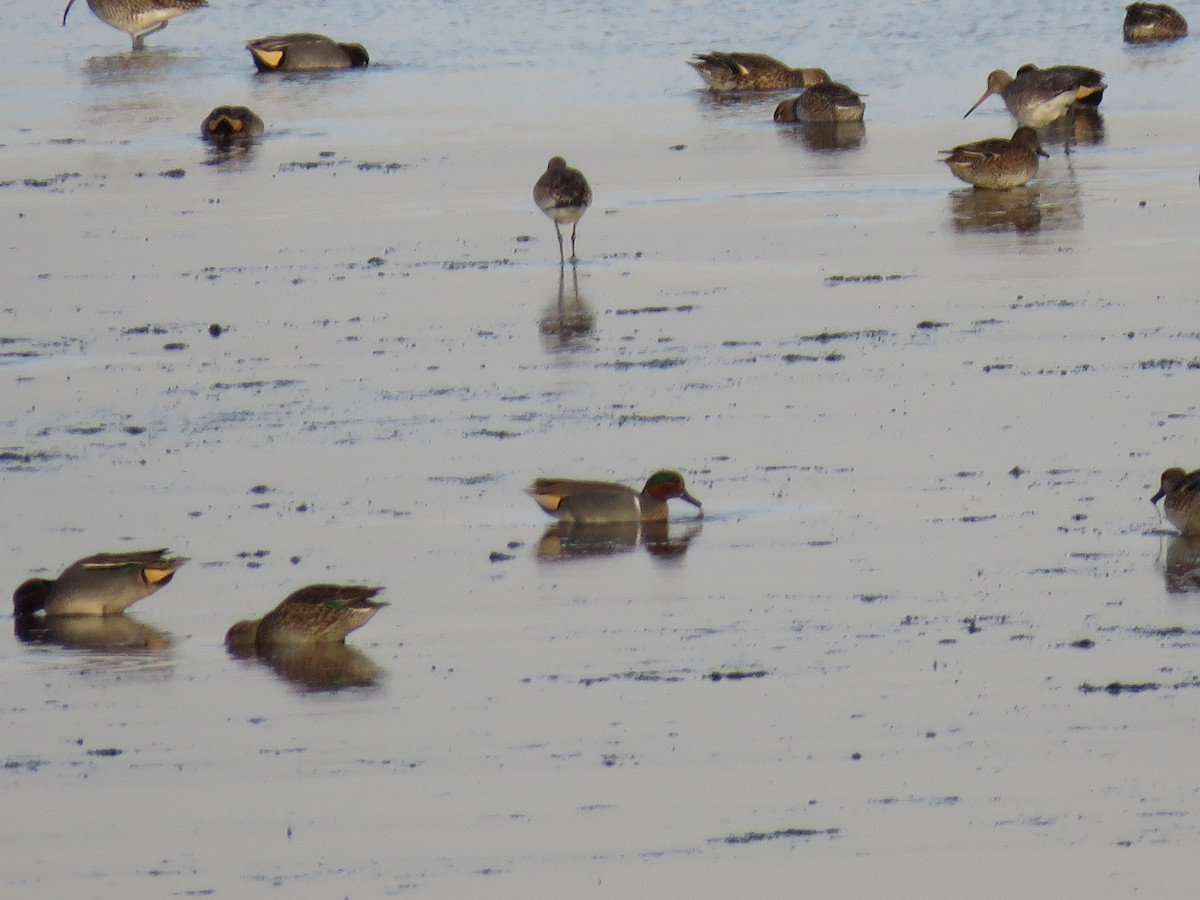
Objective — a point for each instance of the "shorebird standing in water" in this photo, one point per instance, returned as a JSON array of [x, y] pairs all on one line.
[[138, 18], [564, 195], [997, 163], [1037, 97]]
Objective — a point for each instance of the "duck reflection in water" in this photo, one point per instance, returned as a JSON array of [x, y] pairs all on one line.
[[1016, 209], [825, 137], [313, 668], [114, 634], [574, 540], [1182, 570], [568, 323], [1044, 206], [303, 638]]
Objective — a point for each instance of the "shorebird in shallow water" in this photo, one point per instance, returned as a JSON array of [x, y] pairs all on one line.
[[303, 52], [1037, 97], [1146, 22], [829, 102], [138, 18], [752, 72], [100, 585], [317, 614], [564, 195], [226, 126], [601, 502], [1182, 504], [998, 163]]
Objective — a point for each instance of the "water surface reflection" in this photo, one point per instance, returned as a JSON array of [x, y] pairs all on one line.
[[1182, 570], [825, 137], [114, 634], [1041, 206], [572, 540], [568, 322], [312, 668]]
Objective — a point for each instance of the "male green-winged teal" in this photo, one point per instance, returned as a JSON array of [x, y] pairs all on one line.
[[100, 585], [830, 102], [304, 52], [1182, 504], [229, 125], [138, 18], [1037, 97], [317, 614], [564, 195], [600, 502], [1147, 22], [752, 72], [997, 163]]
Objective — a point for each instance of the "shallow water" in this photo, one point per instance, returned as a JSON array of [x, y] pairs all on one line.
[[924, 421]]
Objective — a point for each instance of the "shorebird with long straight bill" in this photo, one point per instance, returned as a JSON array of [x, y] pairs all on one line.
[[1036, 97]]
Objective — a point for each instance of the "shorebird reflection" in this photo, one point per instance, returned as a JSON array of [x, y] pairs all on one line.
[[568, 322]]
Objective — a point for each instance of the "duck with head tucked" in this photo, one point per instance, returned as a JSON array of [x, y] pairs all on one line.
[[828, 103], [101, 585], [305, 52], [603, 502], [317, 614], [227, 126], [752, 72], [1149, 22]]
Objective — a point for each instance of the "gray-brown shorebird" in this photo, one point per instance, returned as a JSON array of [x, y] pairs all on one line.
[[138, 18], [1037, 97], [564, 195]]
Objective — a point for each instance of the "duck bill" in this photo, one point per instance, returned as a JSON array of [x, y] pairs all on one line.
[[690, 499], [67, 10], [986, 94], [1161, 493]]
